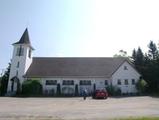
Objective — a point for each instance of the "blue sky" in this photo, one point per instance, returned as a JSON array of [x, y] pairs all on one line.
[[75, 28]]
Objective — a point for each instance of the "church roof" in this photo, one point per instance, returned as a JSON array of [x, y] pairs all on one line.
[[25, 38], [78, 66]]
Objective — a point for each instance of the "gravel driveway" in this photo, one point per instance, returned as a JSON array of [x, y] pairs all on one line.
[[76, 108]]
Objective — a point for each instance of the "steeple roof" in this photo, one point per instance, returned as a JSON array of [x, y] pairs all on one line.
[[25, 38]]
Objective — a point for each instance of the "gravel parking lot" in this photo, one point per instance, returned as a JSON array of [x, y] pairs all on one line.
[[76, 108]]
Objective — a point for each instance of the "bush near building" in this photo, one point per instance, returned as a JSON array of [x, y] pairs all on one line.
[[31, 88], [113, 90], [141, 86]]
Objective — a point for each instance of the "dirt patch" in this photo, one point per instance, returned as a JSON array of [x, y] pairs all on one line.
[[76, 108]]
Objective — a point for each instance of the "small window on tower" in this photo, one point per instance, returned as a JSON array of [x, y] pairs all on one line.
[[17, 73], [20, 51], [29, 55], [17, 53], [18, 65]]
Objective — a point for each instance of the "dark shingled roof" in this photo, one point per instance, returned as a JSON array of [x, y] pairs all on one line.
[[25, 38], [78, 66]]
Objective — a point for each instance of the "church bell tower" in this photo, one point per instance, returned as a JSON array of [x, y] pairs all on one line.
[[21, 61]]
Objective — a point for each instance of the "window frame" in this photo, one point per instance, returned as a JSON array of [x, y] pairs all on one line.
[[20, 51], [119, 81], [125, 67], [50, 82], [85, 82], [106, 82], [29, 53], [126, 82], [17, 73], [18, 64], [133, 81], [68, 82]]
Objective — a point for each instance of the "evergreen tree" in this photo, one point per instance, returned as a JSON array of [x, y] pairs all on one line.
[[134, 55], [153, 52], [58, 91], [4, 81], [76, 90], [148, 66], [139, 57]]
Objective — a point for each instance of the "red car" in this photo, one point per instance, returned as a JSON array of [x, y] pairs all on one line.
[[100, 94]]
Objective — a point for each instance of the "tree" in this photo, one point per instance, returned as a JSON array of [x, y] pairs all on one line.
[[4, 81], [139, 57], [148, 65], [153, 52], [134, 55], [113, 90], [121, 53], [31, 87], [76, 90], [58, 91], [0, 84], [141, 86]]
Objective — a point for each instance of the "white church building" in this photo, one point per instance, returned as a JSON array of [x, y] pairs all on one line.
[[82, 72]]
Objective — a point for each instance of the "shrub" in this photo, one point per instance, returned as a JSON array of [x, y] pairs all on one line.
[[31, 87], [113, 90], [58, 91], [76, 90], [141, 86]]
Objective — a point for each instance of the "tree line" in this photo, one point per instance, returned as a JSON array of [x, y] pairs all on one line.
[[148, 66]]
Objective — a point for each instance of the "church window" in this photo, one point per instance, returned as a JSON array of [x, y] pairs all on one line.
[[18, 64], [106, 82], [126, 82], [29, 55], [51, 82], [119, 82], [125, 68], [17, 54], [85, 82], [68, 82], [20, 51], [17, 73], [133, 81]]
